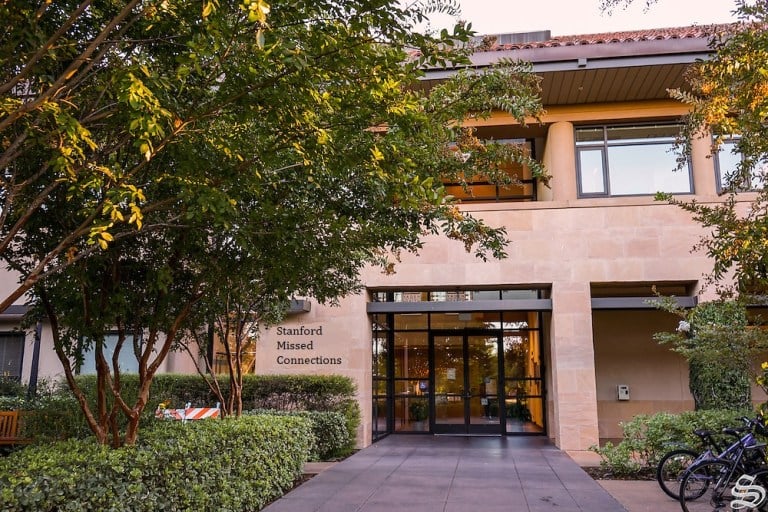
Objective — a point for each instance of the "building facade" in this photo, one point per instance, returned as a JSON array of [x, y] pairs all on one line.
[[556, 339]]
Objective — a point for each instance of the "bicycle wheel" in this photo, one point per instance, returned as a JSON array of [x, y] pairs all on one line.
[[751, 491], [670, 470], [707, 486]]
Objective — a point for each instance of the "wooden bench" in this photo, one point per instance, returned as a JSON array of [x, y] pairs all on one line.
[[9, 429]]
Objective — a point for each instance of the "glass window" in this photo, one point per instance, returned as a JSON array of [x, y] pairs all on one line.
[[11, 353], [411, 321], [630, 160], [521, 186], [448, 296], [126, 360], [592, 167], [411, 356], [728, 161], [484, 295], [519, 294]]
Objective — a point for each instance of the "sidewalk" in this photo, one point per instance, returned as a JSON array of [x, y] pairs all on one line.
[[640, 496], [634, 495], [452, 474]]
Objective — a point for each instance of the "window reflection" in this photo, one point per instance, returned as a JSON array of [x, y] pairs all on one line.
[[730, 174], [630, 160]]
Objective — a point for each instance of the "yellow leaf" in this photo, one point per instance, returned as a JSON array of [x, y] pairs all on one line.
[[207, 9], [103, 244], [107, 236], [377, 154]]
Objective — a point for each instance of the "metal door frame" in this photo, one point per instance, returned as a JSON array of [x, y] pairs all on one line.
[[467, 428]]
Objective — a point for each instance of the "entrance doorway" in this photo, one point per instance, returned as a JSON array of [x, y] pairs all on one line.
[[476, 372], [466, 394]]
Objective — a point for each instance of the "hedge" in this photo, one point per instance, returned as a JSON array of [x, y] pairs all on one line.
[[646, 438], [237, 464], [57, 414], [331, 437]]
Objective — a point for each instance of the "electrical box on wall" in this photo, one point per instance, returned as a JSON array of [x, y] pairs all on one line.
[[623, 392]]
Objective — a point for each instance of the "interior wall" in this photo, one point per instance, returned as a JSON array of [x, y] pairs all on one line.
[[626, 354]]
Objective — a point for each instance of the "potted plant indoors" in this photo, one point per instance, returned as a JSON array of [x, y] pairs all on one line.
[[419, 411]]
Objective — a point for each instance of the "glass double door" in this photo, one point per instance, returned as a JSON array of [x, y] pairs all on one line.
[[465, 372]]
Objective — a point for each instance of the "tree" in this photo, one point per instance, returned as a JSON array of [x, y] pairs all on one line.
[[729, 98], [720, 343], [160, 157], [609, 6]]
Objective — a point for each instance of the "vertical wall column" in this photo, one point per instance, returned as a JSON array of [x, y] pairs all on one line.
[[572, 355], [704, 177], [560, 161]]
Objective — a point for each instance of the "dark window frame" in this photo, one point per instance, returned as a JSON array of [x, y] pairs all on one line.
[[733, 143], [605, 144], [20, 337]]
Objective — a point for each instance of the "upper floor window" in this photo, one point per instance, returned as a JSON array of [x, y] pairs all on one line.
[[127, 361], [629, 160], [521, 186], [11, 354], [729, 172]]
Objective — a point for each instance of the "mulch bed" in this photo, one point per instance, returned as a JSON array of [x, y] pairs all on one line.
[[600, 473]]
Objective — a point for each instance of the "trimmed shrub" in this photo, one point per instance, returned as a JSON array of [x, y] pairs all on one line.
[[54, 416], [60, 416], [647, 438], [331, 437], [232, 464]]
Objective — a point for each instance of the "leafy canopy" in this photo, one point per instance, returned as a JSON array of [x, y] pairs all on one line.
[[159, 154], [729, 98]]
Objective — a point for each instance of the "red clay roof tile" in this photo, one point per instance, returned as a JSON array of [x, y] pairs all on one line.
[[693, 31]]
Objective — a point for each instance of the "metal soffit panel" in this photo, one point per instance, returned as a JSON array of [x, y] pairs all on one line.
[[16, 310], [611, 85], [607, 84]]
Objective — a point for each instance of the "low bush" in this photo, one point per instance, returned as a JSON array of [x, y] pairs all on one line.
[[331, 437], [647, 438], [233, 464], [54, 416], [58, 416]]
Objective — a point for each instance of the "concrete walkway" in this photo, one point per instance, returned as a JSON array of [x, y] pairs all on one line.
[[640, 495], [452, 474]]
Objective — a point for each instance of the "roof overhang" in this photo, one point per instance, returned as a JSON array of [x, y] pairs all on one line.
[[598, 72]]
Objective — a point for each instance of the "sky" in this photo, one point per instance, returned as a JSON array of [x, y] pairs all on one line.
[[571, 17]]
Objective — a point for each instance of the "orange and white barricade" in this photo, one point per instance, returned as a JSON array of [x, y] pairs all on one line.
[[188, 413], [200, 413]]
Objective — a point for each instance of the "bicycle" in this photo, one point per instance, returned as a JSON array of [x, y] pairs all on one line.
[[672, 466], [737, 479]]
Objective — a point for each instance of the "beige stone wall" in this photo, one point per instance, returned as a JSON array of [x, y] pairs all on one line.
[[625, 353], [337, 342], [568, 243]]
